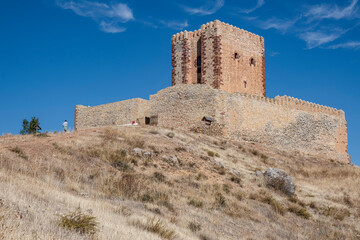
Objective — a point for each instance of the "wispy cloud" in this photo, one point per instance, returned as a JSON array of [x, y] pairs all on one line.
[[210, 7], [348, 45], [259, 4], [318, 38], [178, 25], [332, 11], [108, 16], [276, 23]]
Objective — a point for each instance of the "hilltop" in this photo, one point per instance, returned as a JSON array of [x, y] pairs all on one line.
[[157, 183]]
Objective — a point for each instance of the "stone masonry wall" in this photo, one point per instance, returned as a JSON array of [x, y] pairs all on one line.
[[284, 122], [117, 113], [216, 43]]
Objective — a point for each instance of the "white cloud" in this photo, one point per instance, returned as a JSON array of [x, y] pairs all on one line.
[[111, 27], [108, 16], [279, 24], [318, 38], [327, 11], [210, 7], [175, 24], [259, 4], [349, 45]]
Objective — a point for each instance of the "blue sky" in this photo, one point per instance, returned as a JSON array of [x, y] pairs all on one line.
[[55, 54]]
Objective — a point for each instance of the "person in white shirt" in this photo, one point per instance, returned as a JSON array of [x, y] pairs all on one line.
[[65, 125]]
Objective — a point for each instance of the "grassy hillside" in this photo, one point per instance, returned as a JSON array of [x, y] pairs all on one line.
[[213, 189]]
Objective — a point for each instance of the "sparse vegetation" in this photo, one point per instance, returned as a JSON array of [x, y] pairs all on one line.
[[194, 226], [300, 211], [196, 203], [156, 225], [80, 222], [159, 177], [98, 168], [19, 152]]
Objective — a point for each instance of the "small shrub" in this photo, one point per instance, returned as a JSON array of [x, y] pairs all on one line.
[[235, 179], [180, 149], [277, 207], [255, 152], [153, 132], [337, 213], [220, 200], [227, 188], [19, 152], [239, 196], [136, 142], [110, 135], [79, 222], [196, 203], [59, 173], [170, 134], [347, 200], [147, 198], [299, 211], [200, 177], [194, 226], [211, 153], [313, 205], [119, 160], [217, 155], [159, 176], [202, 236], [156, 226], [45, 134]]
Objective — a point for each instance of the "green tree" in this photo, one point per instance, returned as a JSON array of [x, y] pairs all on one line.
[[29, 127]]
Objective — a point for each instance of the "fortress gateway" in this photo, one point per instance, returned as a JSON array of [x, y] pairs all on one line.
[[219, 72]]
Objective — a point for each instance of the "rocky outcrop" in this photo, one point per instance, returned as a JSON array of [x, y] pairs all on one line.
[[279, 180]]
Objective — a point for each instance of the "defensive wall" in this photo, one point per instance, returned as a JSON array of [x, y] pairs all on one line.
[[117, 113], [222, 56], [283, 122]]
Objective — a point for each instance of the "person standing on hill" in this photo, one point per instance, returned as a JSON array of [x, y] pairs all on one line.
[[65, 125]]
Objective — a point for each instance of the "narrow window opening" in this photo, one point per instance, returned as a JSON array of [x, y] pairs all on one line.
[[236, 56], [147, 120], [198, 62], [245, 83], [252, 62]]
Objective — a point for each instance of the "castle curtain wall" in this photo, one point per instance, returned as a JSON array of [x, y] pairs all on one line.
[[282, 123], [123, 112]]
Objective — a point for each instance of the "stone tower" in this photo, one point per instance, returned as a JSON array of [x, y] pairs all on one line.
[[222, 56]]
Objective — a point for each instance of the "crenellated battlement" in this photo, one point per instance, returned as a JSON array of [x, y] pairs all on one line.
[[212, 25], [294, 103]]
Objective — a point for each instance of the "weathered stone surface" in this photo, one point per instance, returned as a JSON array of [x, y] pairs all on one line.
[[279, 180], [283, 123], [232, 59], [172, 160], [123, 112], [137, 152], [141, 153]]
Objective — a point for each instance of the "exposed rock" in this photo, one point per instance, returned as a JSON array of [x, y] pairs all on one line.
[[280, 180], [141, 153], [146, 154], [236, 172], [257, 173], [172, 160], [219, 164], [137, 152]]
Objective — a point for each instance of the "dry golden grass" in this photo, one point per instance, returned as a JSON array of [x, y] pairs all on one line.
[[204, 196]]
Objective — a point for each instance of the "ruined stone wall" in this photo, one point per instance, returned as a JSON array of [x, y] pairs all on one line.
[[123, 112], [283, 123], [216, 43]]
